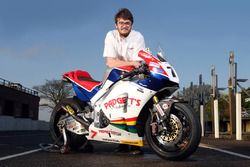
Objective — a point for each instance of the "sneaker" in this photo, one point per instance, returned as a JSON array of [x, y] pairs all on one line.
[[122, 148], [135, 150]]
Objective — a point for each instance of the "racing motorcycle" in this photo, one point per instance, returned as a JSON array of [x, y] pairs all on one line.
[[132, 105]]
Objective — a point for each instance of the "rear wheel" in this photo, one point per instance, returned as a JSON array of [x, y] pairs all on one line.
[[75, 141], [182, 136]]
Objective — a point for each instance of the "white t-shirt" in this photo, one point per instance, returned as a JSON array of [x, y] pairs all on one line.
[[123, 48]]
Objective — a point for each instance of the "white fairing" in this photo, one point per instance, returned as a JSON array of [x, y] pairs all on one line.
[[124, 100], [170, 71], [101, 92]]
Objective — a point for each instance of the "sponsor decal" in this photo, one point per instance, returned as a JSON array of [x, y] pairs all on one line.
[[94, 133], [143, 85], [110, 132], [158, 70], [130, 142], [140, 90], [121, 101], [153, 64], [144, 54], [71, 125], [111, 140]]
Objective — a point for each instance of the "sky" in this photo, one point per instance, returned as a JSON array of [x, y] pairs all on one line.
[[42, 39]]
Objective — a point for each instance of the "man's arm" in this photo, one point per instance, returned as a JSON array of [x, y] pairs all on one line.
[[113, 62]]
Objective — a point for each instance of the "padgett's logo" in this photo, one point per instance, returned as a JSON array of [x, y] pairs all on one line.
[[111, 132], [121, 101]]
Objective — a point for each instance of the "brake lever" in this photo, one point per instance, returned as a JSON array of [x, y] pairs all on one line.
[[127, 74], [143, 69]]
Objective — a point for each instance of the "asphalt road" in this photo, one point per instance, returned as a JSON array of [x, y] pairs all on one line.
[[21, 149]]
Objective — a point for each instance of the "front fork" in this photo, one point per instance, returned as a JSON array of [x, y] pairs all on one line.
[[161, 111]]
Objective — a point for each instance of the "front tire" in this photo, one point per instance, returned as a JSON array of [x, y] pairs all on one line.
[[75, 141], [182, 137]]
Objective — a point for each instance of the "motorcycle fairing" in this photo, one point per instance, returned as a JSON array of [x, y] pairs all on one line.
[[114, 135], [122, 106], [161, 73], [84, 85]]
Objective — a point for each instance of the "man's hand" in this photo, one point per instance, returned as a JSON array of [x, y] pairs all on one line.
[[136, 64]]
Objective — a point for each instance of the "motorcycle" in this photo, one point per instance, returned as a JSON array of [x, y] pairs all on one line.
[[130, 105]]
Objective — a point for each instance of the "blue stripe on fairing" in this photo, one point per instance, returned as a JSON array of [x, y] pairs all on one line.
[[114, 75], [83, 94], [154, 82]]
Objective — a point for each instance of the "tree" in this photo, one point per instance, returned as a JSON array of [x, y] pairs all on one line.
[[195, 93], [53, 91], [244, 96]]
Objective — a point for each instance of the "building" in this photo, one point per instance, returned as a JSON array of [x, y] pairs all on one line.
[[18, 101]]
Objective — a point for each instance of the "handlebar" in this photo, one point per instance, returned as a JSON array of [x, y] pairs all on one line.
[[143, 69]]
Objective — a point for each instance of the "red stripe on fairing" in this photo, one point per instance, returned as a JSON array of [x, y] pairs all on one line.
[[88, 88], [85, 84], [126, 68], [126, 120], [131, 119], [148, 58]]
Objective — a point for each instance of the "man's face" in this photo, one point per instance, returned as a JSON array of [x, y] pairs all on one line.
[[124, 27]]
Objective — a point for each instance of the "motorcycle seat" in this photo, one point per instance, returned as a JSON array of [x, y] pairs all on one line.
[[83, 79]]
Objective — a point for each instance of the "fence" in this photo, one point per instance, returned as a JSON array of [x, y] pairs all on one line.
[[17, 86]]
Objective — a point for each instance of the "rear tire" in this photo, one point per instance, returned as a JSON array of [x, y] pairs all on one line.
[[75, 141], [183, 138]]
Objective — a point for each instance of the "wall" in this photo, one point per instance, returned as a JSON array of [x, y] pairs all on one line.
[[17, 103], [19, 108], [8, 123]]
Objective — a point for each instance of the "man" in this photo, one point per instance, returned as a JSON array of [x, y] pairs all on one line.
[[121, 49], [122, 45]]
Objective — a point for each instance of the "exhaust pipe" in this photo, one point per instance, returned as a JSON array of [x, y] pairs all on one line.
[[70, 110]]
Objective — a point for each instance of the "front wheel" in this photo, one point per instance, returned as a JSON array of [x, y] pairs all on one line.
[[181, 137]]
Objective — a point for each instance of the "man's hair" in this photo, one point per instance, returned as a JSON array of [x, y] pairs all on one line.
[[125, 14]]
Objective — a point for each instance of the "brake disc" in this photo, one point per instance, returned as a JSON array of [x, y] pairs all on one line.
[[173, 135]]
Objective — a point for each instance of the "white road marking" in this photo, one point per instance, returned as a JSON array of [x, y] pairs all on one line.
[[19, 154], [25, 135], [201, 145], [224, 151]]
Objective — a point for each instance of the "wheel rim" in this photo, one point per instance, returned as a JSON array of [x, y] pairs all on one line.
[[172, 137], [178, 136]]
